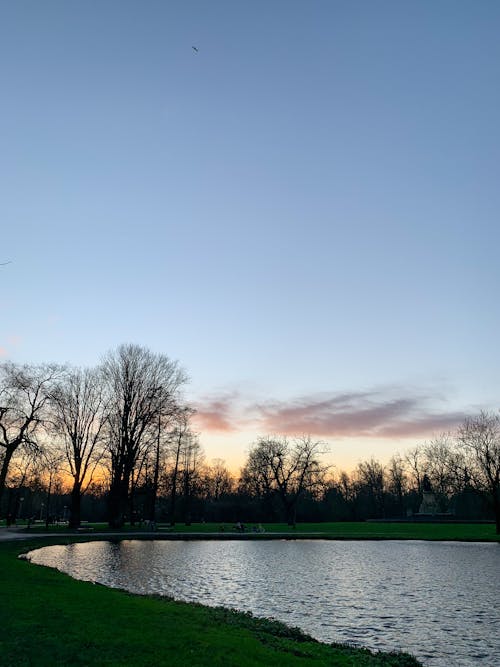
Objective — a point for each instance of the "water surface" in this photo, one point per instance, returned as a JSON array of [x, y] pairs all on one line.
[[437, 600]]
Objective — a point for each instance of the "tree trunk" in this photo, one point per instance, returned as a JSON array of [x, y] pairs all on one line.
[[116, 504], [75, 509], [9, 451], [154, 492], [131, 510], [47, 509], [173, 491], [289, 505], [187, 500], [291, 515]]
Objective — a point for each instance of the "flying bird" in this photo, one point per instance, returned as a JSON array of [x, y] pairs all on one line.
[[5, 263], [194, 49]]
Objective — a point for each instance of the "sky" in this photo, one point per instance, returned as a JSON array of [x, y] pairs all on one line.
[[304, 211]]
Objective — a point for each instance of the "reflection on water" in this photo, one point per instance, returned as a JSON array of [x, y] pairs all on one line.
[[438, 601]]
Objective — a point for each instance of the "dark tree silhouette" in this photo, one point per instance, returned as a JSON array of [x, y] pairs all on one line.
[[285, 468], [24, 392], [78, 417], [479, 441], [140, 386]]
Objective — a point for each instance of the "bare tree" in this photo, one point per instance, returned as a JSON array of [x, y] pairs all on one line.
[[21, 470], [192, 463], [415, 461], [218, 480], [180, 437], [370, 477], [24, 392], [173, 429], [287, 468], [478, 441], [78, 418], [397, 480], [346, 486], [140, 386], [50, 468], [446, 468]]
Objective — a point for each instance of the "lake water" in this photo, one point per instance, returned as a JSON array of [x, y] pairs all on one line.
[[436, 600]]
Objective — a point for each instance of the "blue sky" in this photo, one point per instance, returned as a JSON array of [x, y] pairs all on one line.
[[304, 212]]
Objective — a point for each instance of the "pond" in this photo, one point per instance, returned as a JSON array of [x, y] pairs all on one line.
[[436, 600]]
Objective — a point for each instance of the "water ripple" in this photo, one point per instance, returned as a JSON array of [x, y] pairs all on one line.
[[435, 600]]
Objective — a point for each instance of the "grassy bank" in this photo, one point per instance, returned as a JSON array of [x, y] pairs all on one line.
[[47, 618], [484, 532], [365, 530]]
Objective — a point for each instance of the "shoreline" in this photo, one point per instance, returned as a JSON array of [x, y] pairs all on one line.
[[9, 534], [197, 634]]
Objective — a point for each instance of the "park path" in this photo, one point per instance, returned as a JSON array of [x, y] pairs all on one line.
[[13, 533], [17, 533]]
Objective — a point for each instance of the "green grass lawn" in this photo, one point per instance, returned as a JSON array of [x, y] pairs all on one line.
[[363, 530], [470, 532], [47, 618]]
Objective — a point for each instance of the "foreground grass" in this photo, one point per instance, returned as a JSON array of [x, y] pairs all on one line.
[[47, 618], [484, 532]]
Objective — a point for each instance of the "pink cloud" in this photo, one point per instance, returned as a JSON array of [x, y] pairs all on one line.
[[214, 414], [375, 414], [368, 414]]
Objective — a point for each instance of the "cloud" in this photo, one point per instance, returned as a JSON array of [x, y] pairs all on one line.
[[3, 352], [426, 425], [364, 414], [215, 413], [379, 413]]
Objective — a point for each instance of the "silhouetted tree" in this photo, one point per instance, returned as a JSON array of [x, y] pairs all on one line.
[[50, 468], [415, 465], [478, 440], [439, 467], [179, 439], [218, 480], [397, 480], [192, 464], [78, 417], [19, 477], [287, 468], [370, 482], [24, 392], [140, 386]]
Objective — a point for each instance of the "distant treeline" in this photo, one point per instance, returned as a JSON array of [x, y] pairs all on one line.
[[343, 498], [114, 443]]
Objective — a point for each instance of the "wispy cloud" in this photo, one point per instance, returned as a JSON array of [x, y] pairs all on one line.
[[380, 413], [371, 414], [216, 413]]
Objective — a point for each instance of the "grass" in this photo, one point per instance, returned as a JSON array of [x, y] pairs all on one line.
[[364, 530], [47, 618], [467, 532]]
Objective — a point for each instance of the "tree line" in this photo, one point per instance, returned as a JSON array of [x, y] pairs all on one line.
[[115, 442], [90, 425]]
